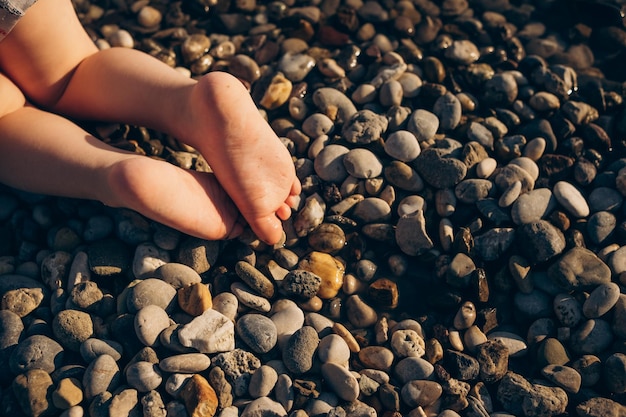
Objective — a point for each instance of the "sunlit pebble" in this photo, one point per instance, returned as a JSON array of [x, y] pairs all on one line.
[[149, 17]]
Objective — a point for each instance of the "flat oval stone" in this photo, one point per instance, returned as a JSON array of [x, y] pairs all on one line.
[[257, 331], [151, 291], [150, 321], [249, 298], [101, 375], [533, 206], [423, 124], [333, 348], [362, 163], [563, 376], [186, 363], [36, 352], [591, 337], [411, 368], [421, 393], [91, 348], [329, 164], [300, 349], [341, 381], [177, 275], [604, 199], [402, 145], [255, 279], [376, 357], [296, 66], [372, 210], [143, 376], [571, 199], [448, 109], [262, 381], [402, 176], [601, 300]]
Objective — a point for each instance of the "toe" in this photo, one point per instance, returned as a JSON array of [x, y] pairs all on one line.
[[269, 229]]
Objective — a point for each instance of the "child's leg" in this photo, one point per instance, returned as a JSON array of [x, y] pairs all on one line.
[[216, 115], [43, 152]]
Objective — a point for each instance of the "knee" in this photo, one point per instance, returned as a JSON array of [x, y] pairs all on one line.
[[12, 97]]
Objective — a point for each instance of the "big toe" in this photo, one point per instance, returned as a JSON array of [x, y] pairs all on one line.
[[268, 228]]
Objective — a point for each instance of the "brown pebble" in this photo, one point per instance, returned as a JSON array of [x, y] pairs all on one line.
[[199, 397], [384, 293], [195, 299], [341, 330]]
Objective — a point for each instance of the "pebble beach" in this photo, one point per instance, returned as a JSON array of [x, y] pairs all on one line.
[[459, 248]]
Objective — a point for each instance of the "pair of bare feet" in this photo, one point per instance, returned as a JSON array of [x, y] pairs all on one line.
[[253, 179]]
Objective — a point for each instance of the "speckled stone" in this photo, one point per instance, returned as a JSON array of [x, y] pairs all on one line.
[[36, 352], [257, 331], [32, 391], [255, 279], [71, 328], [300, 349]]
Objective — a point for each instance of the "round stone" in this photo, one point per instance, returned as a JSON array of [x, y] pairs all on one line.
[[402, 145], [257, 331], [329, 164], [362, 163], [333, 348], [150, 321]]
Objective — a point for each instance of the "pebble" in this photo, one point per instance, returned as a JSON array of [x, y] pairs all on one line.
[[493, 359], [362, 163], [263, 406], [100, 376], [36, 352], [333, 348], [421, 393], [563, 376], [423, 124], [532, 185], [515, 344], [151, 291], [359, 313], [329, 269], [591, 337], [263, 381], [579, 268], [341, 381], [299, 350], [247, 297], [601, 300], [210, 332], [614, 372], [150, 321], [71, 328], [143, 376], [255, 279], [411, 368], [257, 331], [571, 199], [199, 397], [194, 299], [177, 275], [187, 363], [33, 384], [364, 127]]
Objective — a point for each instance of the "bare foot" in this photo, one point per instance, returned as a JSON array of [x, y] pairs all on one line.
[[248, 159], [189, 201]]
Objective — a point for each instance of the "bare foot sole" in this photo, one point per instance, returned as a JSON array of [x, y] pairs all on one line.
[[189, 201], [248, 159]]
